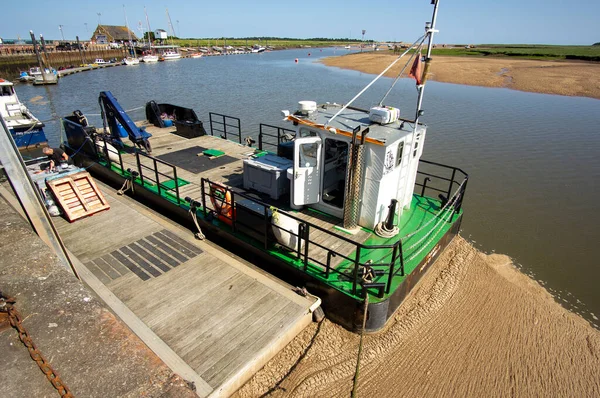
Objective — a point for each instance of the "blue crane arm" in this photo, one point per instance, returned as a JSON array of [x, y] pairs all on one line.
[[115, 116]]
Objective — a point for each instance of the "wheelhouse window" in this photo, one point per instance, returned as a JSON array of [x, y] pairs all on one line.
[[308, 155], [399, 153], [304, 132]]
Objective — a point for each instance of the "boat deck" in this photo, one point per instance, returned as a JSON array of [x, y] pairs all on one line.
[[220, 318], [333, 253], [186, 155]]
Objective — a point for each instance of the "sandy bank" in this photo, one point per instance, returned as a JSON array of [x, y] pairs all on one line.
[[475, 326], [548, 77]]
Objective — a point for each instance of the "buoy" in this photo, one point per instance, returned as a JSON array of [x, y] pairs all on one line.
[[296, 60], [309, 54]]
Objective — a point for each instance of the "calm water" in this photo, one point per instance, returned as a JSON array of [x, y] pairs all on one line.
[[534, 191]]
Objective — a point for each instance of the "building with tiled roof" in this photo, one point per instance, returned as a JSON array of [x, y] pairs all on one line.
[[105, 34]]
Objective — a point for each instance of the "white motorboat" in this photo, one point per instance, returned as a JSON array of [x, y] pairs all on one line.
[[131, 61], [26, 129], [170, 55], [149, 58]]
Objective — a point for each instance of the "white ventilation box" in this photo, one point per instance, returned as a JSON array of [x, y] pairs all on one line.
[[307, 107], [384, 114]]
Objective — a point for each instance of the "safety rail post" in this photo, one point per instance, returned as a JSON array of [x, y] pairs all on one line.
[[300, 234], [306, 237], [462, 195], [176, 184], [425, 185], [203, 196], [121, 162], [330, 254], [401, 255], [356, 265], [233, 212], [267, 224], [156, 175], [139, 165], [224, 127], [451, 182], [391, 274], [105, 150]]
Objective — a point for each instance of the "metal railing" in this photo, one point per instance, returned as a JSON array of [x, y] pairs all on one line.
[[390, 255], [152, 170], [442, 180], [107, 151], [225, 126], [272, 136]]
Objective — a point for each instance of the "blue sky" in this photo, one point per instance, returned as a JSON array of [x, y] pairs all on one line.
[[460, 21]]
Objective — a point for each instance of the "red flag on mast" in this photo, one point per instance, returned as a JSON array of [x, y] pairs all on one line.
[[417, 70]]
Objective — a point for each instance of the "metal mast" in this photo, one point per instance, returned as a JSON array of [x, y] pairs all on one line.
[[130, 47], [148, 25], [429, 30]]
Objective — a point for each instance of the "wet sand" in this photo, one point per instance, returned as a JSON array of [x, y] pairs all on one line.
[[569, 78], [474, 326]]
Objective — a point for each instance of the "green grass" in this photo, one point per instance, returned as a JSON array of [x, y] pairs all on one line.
[[275, 43], [584, 53]]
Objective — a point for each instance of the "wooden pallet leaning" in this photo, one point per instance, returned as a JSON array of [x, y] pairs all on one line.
[[78, 195]]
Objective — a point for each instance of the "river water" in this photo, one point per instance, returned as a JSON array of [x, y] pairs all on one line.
[[533, 159]]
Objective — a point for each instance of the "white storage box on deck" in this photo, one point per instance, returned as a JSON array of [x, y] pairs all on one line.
[[267, 174], [384, 114]]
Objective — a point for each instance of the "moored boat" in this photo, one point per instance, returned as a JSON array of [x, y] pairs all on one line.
[[25, 77], [341, 202], [149, 58], [170, 55], [131, 61], [26, 130]]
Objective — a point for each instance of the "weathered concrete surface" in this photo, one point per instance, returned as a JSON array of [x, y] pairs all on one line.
[[95, 354]]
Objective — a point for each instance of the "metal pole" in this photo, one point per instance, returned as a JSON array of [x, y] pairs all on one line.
[[430, 33], [37, 54], [43, 43], [29, 197], [429, 30], [79, 48]]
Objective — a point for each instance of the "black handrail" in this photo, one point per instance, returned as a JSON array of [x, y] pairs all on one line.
[[220, 124], [391, 268], [432, 179], [157, 174], [263, 132], [106, 151], [303, 236]]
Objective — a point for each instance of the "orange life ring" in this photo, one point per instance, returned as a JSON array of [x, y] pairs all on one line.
[[220, 197]]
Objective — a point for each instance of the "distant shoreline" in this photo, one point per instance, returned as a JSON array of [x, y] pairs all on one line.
[[569, 78]]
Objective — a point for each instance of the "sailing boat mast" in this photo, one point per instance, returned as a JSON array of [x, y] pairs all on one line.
[[149, 31], [128, 33], [170, 26]]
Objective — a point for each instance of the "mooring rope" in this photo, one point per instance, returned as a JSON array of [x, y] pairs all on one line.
[[450, 200], [126, 187], [432, 236], [198, 235]]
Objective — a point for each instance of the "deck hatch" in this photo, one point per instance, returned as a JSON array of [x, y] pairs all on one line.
[[189, 160]]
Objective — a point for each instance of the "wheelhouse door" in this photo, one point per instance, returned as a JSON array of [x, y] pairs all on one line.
[[307, 170]]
